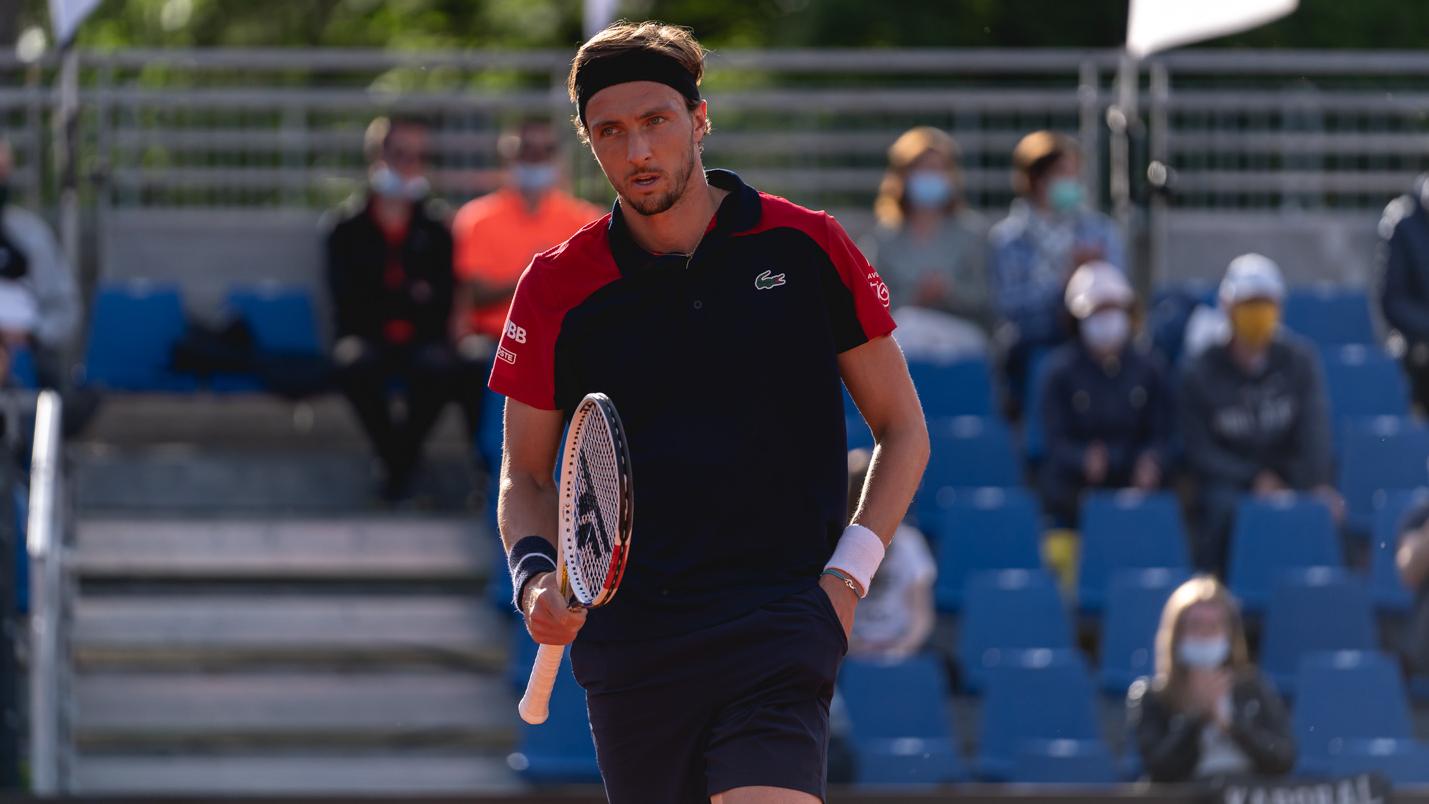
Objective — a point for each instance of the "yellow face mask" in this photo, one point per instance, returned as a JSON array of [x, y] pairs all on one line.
[[1254, 322]]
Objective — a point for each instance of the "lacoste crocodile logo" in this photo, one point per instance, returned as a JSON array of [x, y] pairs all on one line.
[[768, 280]]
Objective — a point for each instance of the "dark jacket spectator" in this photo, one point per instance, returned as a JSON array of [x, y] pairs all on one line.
[[1207, 713], [1253, 411], [1106, 407], [389, 269], [1404, 280], [390, 287]]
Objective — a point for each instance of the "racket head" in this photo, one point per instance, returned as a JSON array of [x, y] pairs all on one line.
[[595, 502]]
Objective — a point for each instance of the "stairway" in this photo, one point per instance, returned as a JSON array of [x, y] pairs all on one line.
[[247, 623]]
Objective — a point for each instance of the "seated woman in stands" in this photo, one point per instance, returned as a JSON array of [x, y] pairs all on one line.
[[1207, 713]]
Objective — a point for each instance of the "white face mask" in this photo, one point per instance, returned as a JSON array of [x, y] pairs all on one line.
[[534, 177], [386, 183], [1205, 653], [929, 189], [1106, 330]]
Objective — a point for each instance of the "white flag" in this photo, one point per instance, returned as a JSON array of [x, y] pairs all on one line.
[[66, 15], [598, 14], [1160, 24]]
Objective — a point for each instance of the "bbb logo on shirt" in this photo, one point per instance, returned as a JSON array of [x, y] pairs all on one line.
[[515, 333]]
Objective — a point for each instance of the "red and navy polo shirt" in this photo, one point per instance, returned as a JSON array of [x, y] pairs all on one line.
[[723, 366]]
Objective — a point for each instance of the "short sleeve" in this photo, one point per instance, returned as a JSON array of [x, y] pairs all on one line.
[[868, 316], [525, 364]]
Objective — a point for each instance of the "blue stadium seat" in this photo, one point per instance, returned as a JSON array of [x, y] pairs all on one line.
[[1129, 623], [1312, 611], [1007, 611], [859, 436], [1351, 699], [1386, 590], [1330, 315], [961, 388], [983, 529], [1033, 695], [1064, 762], [1364, 382], [23, 371], [1380, 455], [1272, 535], [1124, 530], [901, 732], [967, 452], [489, 436], [560, 750], [281, 316], [133, 328]]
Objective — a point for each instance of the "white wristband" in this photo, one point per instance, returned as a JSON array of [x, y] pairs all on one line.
[[858, 554]]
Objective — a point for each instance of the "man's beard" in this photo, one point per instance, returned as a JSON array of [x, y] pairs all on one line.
[[663, 203]]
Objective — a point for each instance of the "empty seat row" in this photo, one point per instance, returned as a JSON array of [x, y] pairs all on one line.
[[135, 325]]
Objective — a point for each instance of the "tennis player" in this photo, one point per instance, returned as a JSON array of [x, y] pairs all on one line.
[[720, 321]]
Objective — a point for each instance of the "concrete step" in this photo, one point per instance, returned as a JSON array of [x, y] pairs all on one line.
[[184, 710], [414, 772], [257, 628], [347, 549], [185, 479]]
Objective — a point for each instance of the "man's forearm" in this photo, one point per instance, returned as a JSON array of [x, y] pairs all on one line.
[[899, 458], [526, 506]]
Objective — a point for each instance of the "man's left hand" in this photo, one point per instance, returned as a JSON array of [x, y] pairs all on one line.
[[843, 598]]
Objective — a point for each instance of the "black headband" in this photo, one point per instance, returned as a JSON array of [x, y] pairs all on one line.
[[634, 65]]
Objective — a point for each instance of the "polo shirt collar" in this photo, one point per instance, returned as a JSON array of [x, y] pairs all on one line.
[[738, 212]]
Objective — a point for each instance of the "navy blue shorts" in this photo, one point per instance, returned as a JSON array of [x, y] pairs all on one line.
[[739, 704]]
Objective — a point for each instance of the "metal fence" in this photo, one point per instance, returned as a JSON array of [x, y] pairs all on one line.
[[1325, 136]]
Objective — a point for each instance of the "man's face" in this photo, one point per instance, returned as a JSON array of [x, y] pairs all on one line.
[[646, 141], [406, 151], [538, 145]]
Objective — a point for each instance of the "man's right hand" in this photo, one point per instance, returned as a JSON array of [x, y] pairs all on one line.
[[1268, 483], [549, 619]]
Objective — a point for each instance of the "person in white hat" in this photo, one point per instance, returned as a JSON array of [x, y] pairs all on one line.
[[1254, 412], [1106, 406]]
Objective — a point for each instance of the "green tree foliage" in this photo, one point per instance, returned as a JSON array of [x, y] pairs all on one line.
[[424, 24]]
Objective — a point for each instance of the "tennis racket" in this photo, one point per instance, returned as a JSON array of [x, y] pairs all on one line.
[[594, 543]]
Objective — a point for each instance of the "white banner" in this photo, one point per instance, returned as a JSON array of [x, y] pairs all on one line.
[[1160, 24], [66, 16]]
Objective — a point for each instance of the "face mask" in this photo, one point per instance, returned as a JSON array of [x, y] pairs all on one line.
[[386, 183], [1065, 195], [1106, 330], [1254, 323], [929, 189], [534, 177], [1207, 653]]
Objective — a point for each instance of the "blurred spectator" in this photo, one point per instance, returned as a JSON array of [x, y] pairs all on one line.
[[498, 234], [1207, 713], [1254, 413], [929, 247], [31, 262], [1404, 281], [1106, 408], [389, 269], [1048, 232], [1412, 558], [896, 618]]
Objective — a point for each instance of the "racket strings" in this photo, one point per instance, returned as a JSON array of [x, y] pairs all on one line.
[[596, 487]]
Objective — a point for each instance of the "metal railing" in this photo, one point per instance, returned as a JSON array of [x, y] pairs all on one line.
[[47, 531]]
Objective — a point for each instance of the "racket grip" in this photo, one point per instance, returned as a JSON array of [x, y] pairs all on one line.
[[535, 704]]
